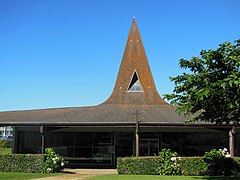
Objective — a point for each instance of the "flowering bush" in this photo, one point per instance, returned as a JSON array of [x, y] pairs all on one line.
[[216, 154], [225, 152], [219, 162], [53, 162], [170, 163]]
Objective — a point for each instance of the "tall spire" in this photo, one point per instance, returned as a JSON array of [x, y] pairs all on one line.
[[135, 84]]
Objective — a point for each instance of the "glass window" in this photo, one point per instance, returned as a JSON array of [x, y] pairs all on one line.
[[124, 144], [29, 142], [103, 149], [238, 143], [197, 143], [135, 84], [61, 142], [171, 140]]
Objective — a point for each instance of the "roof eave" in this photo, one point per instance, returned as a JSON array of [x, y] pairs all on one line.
[[117, 124]]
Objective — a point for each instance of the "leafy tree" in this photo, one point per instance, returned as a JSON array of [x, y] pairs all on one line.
[[212, 90]]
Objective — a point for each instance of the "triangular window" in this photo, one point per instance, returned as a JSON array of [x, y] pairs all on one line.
[[135, 84]]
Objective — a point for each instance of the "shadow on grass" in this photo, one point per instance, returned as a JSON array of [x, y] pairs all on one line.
[[68, 172]]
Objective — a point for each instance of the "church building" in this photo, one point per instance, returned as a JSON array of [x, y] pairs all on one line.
[[133, 121]]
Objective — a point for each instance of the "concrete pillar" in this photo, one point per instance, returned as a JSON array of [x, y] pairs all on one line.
[[137, 135], [14, 141], [42, 131], [232, 141], [137, 143]]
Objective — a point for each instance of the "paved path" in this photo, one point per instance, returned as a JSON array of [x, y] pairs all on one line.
[[77, 174], [92, 171], [67, 177]]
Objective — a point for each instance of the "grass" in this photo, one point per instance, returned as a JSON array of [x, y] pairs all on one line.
[[21, 176], [25, 176], [156, 177], [5, 151]]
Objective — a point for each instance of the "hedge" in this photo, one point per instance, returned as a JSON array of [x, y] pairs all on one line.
[[5, 143], [29, 163], [190, 166], [193, 166], [237, 162], [141, 165]]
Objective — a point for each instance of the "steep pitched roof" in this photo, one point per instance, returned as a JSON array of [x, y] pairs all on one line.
[[134, 90], [135, 65]]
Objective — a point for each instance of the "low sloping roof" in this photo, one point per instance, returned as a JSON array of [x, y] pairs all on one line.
[[102, 114]]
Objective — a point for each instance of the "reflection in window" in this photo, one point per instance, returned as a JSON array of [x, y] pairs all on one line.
[[82, 147], [135, 84], [194, 143], [171, 140], [61, 142], [29, 142], [102, 152], [124, 144]]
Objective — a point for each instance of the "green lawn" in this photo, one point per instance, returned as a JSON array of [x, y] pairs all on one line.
[[5, 151], [155, 177], [24, 176], [21, 176]]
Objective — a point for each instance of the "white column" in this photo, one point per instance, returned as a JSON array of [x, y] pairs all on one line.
[[232, 141]]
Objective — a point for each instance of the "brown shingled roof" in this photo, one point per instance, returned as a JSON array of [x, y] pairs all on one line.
[[120, 107], [104, 114], [135, 59]]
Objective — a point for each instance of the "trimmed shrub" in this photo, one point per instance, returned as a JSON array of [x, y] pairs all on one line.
[[6, 143], [29, 163], [190, 166], [49, 162], [193, 166], [237, 165], [141, 165]]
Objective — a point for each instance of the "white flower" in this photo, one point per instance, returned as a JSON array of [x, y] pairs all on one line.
[[173, 158], [228, 155], [62, 163], [54, 162], [49, 169], [56, 158], [225, 149]]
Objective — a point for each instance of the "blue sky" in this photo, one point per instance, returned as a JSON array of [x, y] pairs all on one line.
[[67, 53]]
